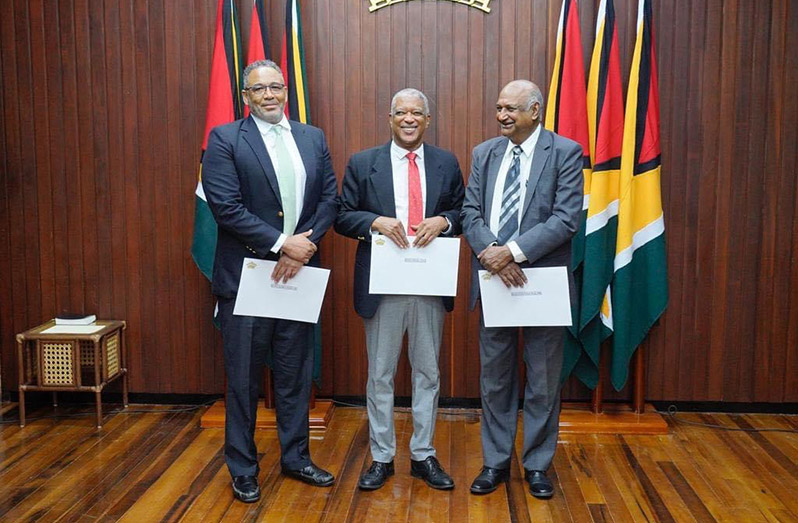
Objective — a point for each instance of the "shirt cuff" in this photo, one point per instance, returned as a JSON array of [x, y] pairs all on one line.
[[279, 243], [518, 254], [448, 229]]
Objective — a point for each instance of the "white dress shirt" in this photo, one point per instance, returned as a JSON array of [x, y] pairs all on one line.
[[525, 158], [299, 168], [401, 196]]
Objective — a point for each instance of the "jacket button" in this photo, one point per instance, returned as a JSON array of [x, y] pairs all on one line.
[[280, 214]]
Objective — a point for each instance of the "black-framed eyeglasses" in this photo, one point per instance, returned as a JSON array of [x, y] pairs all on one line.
[[260, 89]]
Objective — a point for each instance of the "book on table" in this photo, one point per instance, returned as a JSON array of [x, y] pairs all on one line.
[[70, 318]]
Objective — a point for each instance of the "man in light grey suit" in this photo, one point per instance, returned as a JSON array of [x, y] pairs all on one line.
[[521, 209], [403, 189]]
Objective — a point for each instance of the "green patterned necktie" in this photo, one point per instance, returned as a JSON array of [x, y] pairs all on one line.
[[286, 178]]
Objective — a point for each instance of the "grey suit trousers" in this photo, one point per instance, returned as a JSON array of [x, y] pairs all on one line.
[[543, 355], [422, 318]]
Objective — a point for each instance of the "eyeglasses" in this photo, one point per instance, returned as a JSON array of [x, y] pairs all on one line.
[[260, 89]]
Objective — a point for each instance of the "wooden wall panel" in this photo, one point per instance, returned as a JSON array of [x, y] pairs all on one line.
[[103, 107], [102, 121]]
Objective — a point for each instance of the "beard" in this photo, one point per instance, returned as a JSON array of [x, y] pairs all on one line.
[[272, 117]]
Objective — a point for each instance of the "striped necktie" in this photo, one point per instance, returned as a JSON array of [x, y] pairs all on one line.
[[511, 199], [286, 179]]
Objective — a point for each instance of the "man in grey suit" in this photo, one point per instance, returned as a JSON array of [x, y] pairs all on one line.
[[400, 189], [521, 209]]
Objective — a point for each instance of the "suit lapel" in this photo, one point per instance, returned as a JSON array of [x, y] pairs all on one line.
[[494, 161], [255, 140], [382, 180], [434, 179], [539, 160]]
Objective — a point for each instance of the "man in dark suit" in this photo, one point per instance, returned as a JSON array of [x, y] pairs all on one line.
[[521, 209], [271, 188], [400, 189]]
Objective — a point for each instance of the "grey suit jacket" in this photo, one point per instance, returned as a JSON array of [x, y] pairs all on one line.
[[549, 212]]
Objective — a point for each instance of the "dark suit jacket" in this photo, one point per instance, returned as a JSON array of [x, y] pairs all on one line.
[[551, 206], [367, 194], [242, 191]]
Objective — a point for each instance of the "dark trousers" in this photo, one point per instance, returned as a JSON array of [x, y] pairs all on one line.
[[498, 354], [247, 342]]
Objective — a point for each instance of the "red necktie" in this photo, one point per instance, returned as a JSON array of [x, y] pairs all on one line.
[[415, 202]]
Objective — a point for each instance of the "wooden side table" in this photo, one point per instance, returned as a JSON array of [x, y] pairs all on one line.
[[71, 361]]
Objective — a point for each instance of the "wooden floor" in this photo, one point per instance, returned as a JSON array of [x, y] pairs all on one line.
[[161, 466]]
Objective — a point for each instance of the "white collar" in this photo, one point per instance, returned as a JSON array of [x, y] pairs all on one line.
[[264, 127], [528, 145], [397, 152]]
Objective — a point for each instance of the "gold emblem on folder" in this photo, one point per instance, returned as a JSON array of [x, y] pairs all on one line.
[[380, 241], [252, 265], [486, 276]]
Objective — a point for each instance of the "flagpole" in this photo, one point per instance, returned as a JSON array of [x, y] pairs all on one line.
[[639, 391], [597, 396], [268, 388]]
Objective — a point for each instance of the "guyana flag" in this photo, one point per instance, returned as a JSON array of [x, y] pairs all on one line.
[[293, 65], [224, 105], [605, 122], [298, 109], [258, 37], [258, 34], [567, 116], [640, 286]]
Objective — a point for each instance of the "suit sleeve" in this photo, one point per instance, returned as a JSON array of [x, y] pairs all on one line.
[[457, 191], [352, 221], [223, 192], [547, 236], [475, 229], [327, 206]]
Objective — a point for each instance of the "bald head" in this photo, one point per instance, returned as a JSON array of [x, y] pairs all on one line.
[[518, 109], [529, 90]]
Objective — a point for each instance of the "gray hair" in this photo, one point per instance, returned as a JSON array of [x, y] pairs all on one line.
[[257, 65], [409, 91], [535, 96]]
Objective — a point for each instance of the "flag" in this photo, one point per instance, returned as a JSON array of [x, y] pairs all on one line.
[[605, 123], [292, 62], [640, 284], [258, 33], [224, 106], [258, 37], [567, 116], [293, 65]]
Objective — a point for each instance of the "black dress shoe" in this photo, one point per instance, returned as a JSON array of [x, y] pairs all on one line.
[[312, 475], [430, 470], [246, 488], [539, 485], [376, 475], [488, 480]]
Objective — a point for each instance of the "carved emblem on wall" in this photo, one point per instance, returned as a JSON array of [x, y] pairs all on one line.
[[482, 5]]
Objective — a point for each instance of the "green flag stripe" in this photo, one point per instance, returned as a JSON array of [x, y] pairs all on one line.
[[204, 245], [600, 250], [640, 295]]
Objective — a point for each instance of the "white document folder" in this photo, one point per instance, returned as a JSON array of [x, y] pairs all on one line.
[[298, 299], [544, 301], [424, 271]]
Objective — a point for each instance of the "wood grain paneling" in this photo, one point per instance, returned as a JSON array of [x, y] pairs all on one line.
[[102, 116]]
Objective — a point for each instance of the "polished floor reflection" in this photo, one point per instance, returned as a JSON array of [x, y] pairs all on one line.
[[160, 466]]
